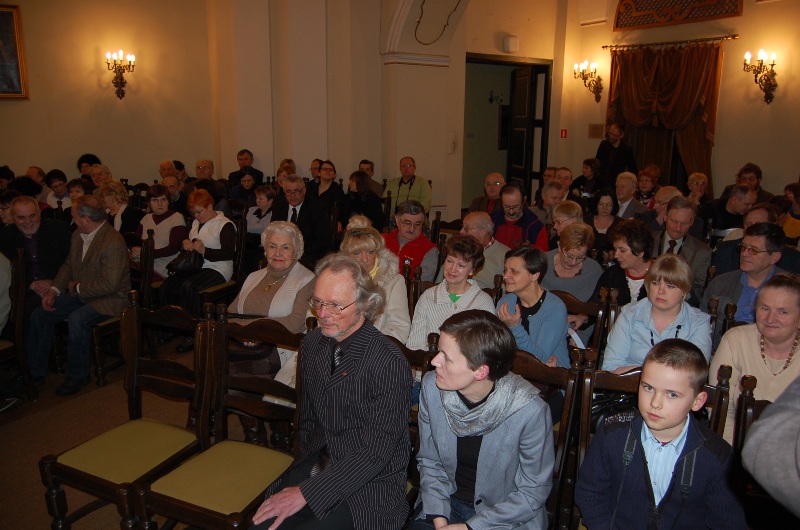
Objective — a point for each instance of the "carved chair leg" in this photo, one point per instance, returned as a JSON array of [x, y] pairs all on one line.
[[55, 497]]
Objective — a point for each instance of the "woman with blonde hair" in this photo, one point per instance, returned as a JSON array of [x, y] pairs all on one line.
[[564, 214], [366, 245], [114, 197], [697, 183], [663, 314]]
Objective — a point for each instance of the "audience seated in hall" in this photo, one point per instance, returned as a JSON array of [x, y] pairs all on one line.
[[408, 242], [647, 185], [677, 240], [565, 214], [518, 225], [91, 286], [656, 217], [761, 249], [245, 190], [489, 202], [479, 225], [99, 174], [639, 462], [698, 184], [589, 182]]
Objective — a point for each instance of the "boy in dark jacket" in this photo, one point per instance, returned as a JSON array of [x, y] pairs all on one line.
[[659, 468]]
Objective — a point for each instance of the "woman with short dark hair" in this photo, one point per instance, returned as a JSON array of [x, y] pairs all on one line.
[[169, 229], [486, 449]]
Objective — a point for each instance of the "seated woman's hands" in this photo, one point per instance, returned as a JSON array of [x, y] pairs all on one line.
[[194, 245], [576, 321], [507, 318]]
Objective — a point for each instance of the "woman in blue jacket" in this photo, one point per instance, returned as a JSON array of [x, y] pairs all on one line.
[[664, 314]]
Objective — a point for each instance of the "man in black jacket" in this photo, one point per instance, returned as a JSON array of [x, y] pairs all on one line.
[[309, 216]]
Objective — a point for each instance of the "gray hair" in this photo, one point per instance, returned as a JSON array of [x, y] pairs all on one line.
[[294, 179], [482, 220], [410, 207], [370, 297], [89, 206], [633, 181], [553, 185], [287, 229]]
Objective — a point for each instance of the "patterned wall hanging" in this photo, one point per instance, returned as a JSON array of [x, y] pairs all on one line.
[[640, 14]]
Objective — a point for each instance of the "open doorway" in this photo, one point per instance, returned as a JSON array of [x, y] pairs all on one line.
[[506, 120]]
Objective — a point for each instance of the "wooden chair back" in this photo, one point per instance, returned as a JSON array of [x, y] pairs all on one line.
[[560, 502], [613, 308], [748, 409], [719, 399], [168, 378], [495, 292], [730, 318], [713, 307], [243, 393], [712, 273], [386, 206], [417, 288], [449, 228], [592, 309], [14, 350], [227, 291]]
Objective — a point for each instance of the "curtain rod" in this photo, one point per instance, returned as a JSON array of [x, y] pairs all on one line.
[[668, 43]]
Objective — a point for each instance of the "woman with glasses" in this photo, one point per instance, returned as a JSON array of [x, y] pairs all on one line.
[[280, 291], [366, 245], [214, 236], [664, 314], [697, 184], [169, 230]]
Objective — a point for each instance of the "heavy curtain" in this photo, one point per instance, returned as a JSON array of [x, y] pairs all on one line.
[[676, 88]]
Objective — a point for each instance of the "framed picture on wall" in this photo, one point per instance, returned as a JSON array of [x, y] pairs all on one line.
[[13, 82]]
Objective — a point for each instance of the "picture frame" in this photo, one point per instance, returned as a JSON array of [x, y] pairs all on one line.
[[13, 79]]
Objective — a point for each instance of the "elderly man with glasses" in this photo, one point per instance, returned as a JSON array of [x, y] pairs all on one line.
[[409, 243], [517, 225], [353, 427]]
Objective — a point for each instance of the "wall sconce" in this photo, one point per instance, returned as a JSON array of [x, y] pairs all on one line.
[[495, 99], [588, 73], [119, 67], [763, 74]]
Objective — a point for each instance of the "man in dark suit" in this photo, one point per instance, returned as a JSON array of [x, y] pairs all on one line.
[[356, 394], [309, 216], [46, 244], [91, 286], [676, 240], [628, 205], [245, 160]]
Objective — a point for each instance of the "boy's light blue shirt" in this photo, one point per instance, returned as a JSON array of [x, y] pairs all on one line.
[[661, 458]]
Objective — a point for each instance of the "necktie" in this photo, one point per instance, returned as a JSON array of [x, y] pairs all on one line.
[[671, 246], [294, 216], [336, 358]]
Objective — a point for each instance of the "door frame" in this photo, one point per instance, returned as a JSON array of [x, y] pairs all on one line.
[[505, 60]]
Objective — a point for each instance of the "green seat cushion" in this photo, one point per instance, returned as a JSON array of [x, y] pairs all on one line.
[[127, 452], [226, 477]]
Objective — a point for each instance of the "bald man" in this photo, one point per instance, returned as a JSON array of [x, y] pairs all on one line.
[[490, 202]]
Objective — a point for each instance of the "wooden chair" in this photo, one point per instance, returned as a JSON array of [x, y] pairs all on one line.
[[439, 227], [226, 292], [560, 502], [139, 450], [15, 348], [613, 308], [761, 510], [712, 273], [592, 309], [713, 307], [223, 486], [719, 399], [417, 288], [495, 292], [386, 205]]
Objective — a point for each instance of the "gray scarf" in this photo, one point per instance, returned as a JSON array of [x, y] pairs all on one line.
[[511, 393]]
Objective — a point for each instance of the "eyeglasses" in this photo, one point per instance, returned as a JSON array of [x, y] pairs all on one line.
[[409, 224], [574, 259], [327, 170], [498, 183], [334, 309], [292, 193], [510, 208], [752, 251], [406, 166], [202, 167], [467, 228]]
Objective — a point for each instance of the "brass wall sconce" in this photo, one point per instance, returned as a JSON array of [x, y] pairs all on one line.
[[592, 81], [763, 74], [116, 62]]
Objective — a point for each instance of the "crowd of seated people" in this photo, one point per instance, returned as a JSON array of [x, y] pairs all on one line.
[[659, 250]]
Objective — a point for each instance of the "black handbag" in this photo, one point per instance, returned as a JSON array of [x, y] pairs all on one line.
[[186, 263]]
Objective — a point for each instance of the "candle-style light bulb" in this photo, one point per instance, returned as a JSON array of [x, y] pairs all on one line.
[[593, 67], [747, 57], [114, 56], [762, 55], [774, 56], [575, 68], [108, 56], [133, 58]]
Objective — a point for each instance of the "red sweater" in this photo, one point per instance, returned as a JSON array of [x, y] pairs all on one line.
[[414, 250]]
